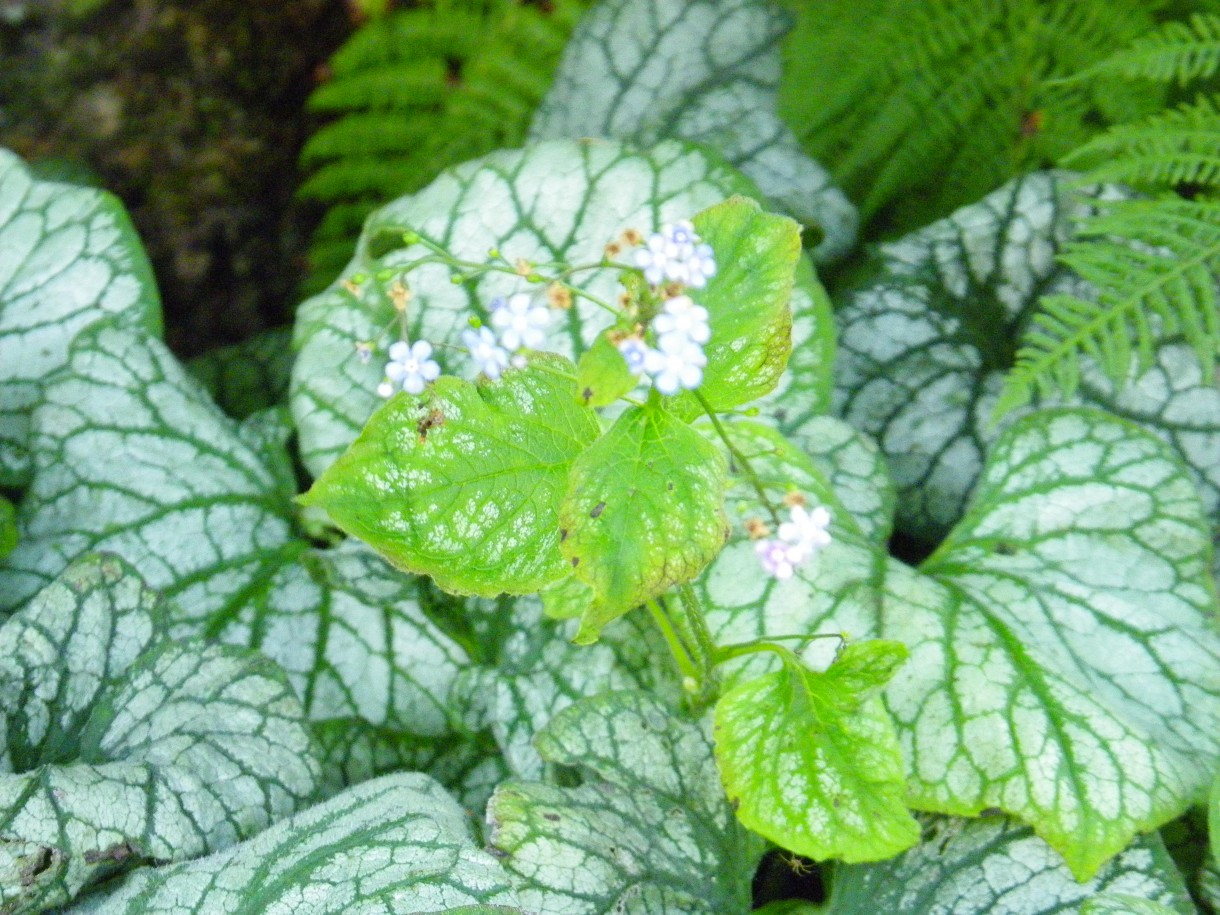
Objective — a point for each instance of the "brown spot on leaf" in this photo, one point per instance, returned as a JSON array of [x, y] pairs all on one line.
[[587, 394], [428, 422], [597, 510], [38, 864], [553, 817], [575, 561]]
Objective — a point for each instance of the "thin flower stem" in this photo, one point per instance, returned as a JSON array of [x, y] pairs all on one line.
[[685, 663], [742, 461], [439, 254], [728, 652]]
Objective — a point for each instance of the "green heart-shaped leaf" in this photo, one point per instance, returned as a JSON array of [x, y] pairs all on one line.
[[643, 512], [463, 482], [811, 759], [120, 747], [556, 201], [70, 257]]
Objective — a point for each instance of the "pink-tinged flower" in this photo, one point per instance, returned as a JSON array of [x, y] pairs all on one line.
[[778, 559], [807, 530]]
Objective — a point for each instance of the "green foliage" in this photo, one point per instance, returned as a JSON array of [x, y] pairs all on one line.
[[1151, 266], [463, 483], [643, 512], [813, 760], [416, 92], [919, 108], [1177, 51], [1169, 149]]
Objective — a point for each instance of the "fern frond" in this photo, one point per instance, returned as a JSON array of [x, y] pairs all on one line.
[[1172, 148], [1179, 52], [421, 90], [1153, 265], [894, 96]]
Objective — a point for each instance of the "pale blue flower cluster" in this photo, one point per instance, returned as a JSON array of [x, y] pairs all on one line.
[[677, 362], [676, 255]]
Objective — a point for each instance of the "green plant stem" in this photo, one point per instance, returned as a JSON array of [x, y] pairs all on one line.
[[742, 461], [439, 254], [683, 658], [728, 652]]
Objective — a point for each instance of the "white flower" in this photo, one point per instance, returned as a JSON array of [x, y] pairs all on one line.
[[681, 316], [522, 324], [490, 356], [778, 559], [635, 351], [700, 266], [807, 530], [675, 364], [654, 259], [410, 368], [676, 254]]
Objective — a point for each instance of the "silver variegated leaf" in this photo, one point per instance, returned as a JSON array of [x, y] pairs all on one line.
[[132, 458], [706, 71], [925, 342], [648, 831], [1064, 663], [68, 256], [393, 846], [120, 747], [996, 867]]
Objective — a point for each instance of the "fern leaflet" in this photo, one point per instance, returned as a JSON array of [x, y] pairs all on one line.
[[420, 90], [1171, 148], [920, 108], [1176, 51], [1153, 266]]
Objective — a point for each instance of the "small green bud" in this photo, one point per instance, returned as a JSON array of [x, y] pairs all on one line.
[[457, 279], [384, 276], [534, 278], [410, 238], [493, 253]]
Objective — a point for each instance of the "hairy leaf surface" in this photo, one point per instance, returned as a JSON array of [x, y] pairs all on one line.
[[649, 830], [706, 71], [1063, 655], [393, 846], [120, 747], [996, 867], [70, 257]]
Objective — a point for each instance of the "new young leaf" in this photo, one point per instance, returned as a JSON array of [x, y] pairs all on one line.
[[643, 511], [811, 760], [463, 482]]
